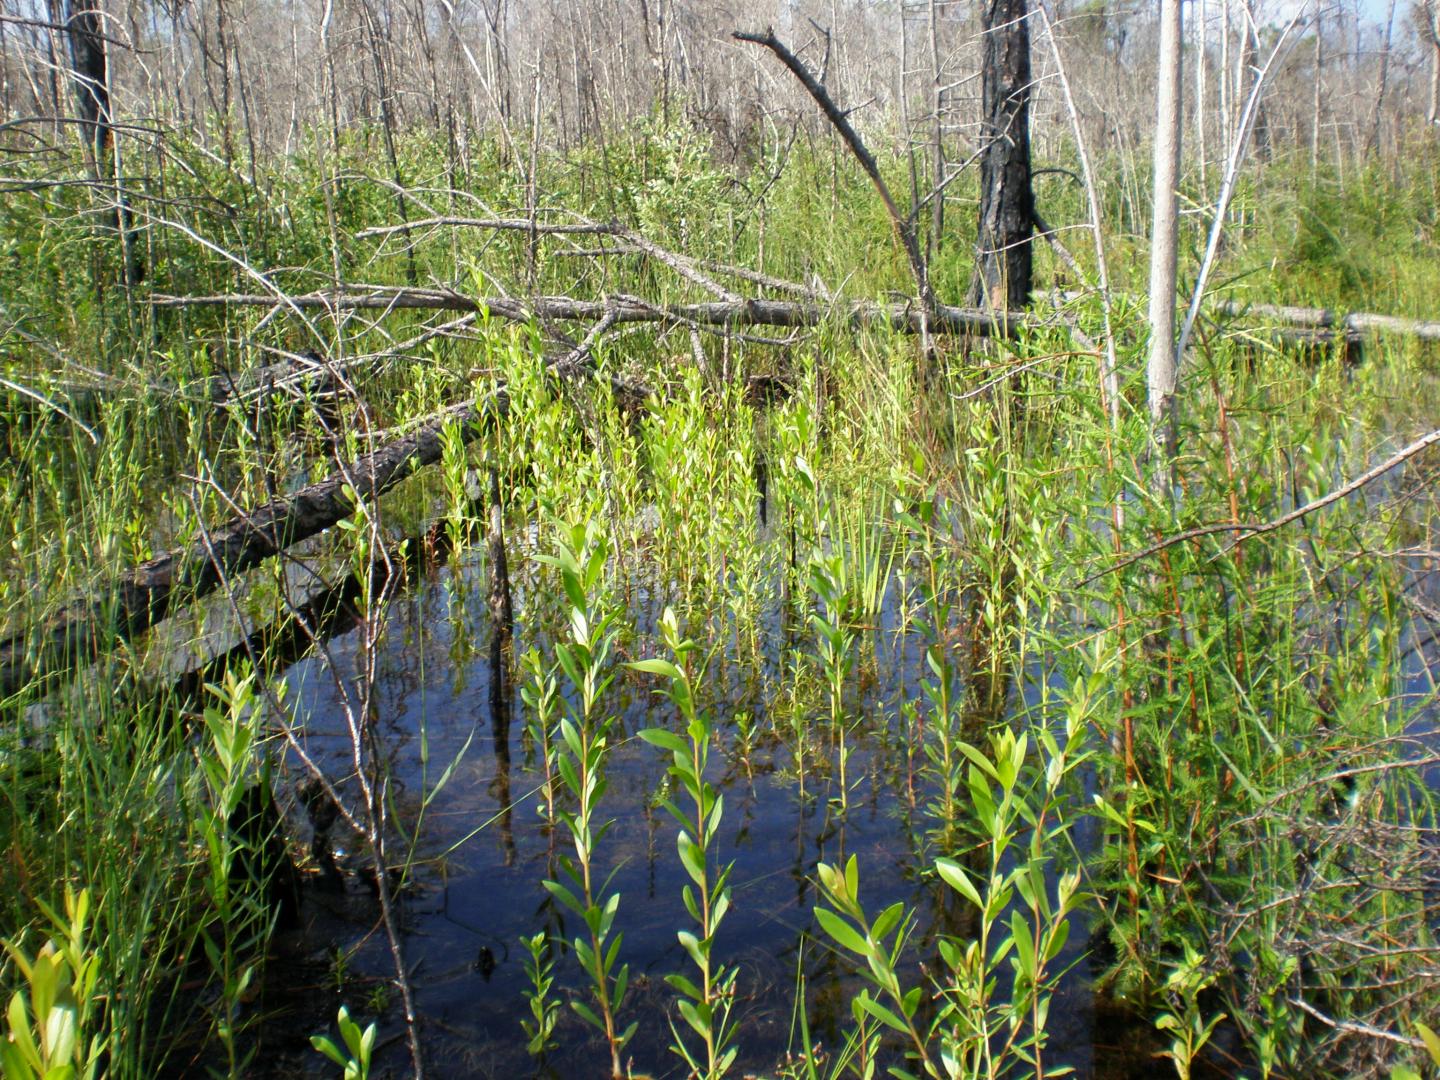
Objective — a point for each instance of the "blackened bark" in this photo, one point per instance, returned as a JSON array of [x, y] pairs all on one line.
[[91, 74], [1007, 204], [92, 79]]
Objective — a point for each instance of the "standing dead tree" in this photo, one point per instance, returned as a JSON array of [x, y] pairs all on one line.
[[1003, 269], [1165, 230], [91, 73], [1428, 16]]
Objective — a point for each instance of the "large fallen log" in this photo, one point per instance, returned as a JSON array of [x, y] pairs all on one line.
[[1314, 326], [903, 317], [144, 595]]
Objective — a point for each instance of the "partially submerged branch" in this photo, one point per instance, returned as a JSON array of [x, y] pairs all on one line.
[[146, 594]]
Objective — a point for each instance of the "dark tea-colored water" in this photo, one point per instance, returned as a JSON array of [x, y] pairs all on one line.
[[480, 848]]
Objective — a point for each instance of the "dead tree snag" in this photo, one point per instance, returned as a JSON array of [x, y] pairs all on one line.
[[1002, 279], [91, 74]]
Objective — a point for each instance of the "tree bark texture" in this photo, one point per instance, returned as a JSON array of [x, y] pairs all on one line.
[[91, 74], [92, 80], [1002, 278]]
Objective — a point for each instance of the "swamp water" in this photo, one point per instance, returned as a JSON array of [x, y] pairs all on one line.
[[481, 845]]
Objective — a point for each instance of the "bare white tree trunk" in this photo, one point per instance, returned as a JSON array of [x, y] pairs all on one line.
[[903, 97], [1223, 83], [1434, 114], [937, 130], [1166, 220], [1319, 30], [1200, 30], [1430, 19]]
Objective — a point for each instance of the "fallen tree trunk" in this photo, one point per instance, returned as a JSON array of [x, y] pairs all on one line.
[[1353, 324], [906, 317], [144, 595], [1302, 325]]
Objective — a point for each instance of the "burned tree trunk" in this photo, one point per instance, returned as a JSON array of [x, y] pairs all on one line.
[[1007, 203], [91, 74]]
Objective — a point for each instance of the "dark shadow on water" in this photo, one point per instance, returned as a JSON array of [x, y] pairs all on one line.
[[483, 850]]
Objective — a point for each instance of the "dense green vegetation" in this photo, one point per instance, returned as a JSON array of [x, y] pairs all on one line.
[[1217, 752]]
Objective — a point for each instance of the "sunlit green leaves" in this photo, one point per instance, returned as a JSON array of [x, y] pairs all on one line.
[[703, 1005], [581, 559]]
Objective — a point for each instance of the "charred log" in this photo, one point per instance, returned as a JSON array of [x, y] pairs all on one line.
[[145, 595]]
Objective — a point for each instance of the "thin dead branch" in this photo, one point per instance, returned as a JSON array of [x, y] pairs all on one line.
[[1256, 529]]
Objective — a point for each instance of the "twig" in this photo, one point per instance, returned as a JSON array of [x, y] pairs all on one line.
[[1352, 1027]]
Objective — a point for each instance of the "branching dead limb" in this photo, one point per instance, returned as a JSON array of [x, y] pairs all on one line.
[[1351, 1027], [904, 226]]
